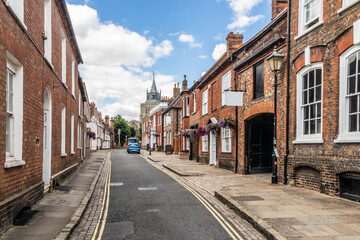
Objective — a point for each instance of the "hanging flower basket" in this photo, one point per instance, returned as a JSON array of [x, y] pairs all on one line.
[[227, 122], [157, 135], [91, 135], [201, 132], [212, 128]]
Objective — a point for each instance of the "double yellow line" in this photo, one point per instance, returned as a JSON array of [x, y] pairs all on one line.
[[225, 224], [105, 205]]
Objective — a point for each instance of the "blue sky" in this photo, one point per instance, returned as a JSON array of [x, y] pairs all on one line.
[[123, 41]]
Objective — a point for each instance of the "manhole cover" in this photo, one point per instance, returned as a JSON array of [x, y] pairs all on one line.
[[114, 184], [248, 198], [62, 188], [147, 188], [24, 217]]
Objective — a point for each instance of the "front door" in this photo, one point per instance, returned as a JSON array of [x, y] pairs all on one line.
[[260, 144], [47, 139], [212, 149]]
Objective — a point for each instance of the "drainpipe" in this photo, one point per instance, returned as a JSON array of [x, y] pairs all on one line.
[[287, 91], [237, 125]]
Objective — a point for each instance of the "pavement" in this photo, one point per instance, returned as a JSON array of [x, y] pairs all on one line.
[[59, 212], [278, 211]]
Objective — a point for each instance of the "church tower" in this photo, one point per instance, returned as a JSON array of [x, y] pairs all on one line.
[[153, 98]]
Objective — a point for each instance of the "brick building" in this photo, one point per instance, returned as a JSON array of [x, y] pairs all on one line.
[[324, 134], [39, 102]]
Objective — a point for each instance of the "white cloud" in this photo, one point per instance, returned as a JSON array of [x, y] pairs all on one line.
[[188, 38], [241, 10], [218, 51], [218, 37], [114, 57], [146, 32], [203, 73], [203, 56]]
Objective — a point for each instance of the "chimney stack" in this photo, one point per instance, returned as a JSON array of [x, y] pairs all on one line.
[[100, 116], [107, 120], [233, 42], [184, 84], [112, 122], [277, 6]]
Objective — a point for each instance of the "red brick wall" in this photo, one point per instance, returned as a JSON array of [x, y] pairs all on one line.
[[28, 47], [334, 36]]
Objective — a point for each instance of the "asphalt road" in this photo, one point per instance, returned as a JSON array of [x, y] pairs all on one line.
[[148, 204]]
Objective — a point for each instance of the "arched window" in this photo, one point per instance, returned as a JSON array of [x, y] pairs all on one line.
[[349, 96]]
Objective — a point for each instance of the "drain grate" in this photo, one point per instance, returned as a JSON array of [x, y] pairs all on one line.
[[62, 188], [24, 217]]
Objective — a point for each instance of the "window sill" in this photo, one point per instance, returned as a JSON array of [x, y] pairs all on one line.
[[343, 9], [309, 30], [347, 139], [225, 152], [21, 23], [13, 163], [63, 155], [204, 114], [193, 113], [72, 153], [205, 151], [48, 62], [308, 141]]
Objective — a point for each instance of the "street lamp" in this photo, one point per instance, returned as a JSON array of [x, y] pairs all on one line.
[[150, 137], [275, 61]]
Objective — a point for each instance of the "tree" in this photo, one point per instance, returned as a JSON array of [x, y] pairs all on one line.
[[133, 132], [125, 130]]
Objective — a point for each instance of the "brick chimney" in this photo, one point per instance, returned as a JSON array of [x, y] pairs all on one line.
[[112, 122], [176, 90], [107, 120], [184, 84], [233, 42], [100, 116], [92, 109], [277, 6]]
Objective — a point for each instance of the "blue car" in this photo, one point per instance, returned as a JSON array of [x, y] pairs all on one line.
[[133, 147]]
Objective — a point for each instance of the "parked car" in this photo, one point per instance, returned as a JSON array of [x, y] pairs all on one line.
[[133, 147]]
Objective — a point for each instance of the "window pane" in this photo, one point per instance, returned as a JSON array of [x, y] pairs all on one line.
[[311, 79], [305, 82], [353, 104], [312, 111], [318, 126], [318, 93], [306, 127], [318, 110], [259, 81], [358, 83], [358, 63], [306, 112], [318, 76], [352, 65], [305, 97], [311, 95], [10, 82], [312, 126], [351, 85], [352, 123]]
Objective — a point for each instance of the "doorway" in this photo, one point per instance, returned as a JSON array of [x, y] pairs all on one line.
[[212, 160], [47, 138], [259, 137]]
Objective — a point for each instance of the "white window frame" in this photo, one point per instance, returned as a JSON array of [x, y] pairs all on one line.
[[301, 19], [226, 140], [187, 140], [225, 85], [14, 157], [204, 102], [344, 135], [194, 102], [183, 108], [72, 134], [17, 9], [187, 105], [183, 145], [300, 136], [73, 78], [80, 101], [47, 31], [205, 143], [63, 58], [63, 131], [346, 4]]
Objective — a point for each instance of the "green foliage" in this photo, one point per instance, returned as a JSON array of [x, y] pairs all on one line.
[[133, 133], [120, 123]]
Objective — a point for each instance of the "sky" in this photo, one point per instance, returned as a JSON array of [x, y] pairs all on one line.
[[123, 42]]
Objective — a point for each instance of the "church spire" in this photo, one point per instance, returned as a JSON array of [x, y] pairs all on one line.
[[153, 86]]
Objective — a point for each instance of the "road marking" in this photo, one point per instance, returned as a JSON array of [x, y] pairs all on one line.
[[105, 198], [115, 184], [147, 188], [224, 223], [103, 222]]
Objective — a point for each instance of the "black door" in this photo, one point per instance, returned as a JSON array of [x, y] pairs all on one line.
[[260, 133]]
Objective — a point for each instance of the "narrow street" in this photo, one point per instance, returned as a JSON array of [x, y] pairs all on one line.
[[146, 203]]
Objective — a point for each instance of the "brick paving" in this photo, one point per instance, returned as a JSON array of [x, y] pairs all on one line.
[[280, 212]]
